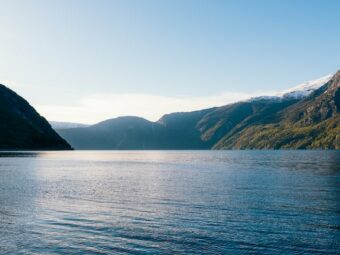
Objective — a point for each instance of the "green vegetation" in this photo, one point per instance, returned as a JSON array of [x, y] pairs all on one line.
[[287, 123], [312, 123]]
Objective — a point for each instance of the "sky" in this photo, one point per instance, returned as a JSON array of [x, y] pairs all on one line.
[[86, 61]]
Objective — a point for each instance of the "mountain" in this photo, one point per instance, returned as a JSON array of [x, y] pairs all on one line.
[[119, 133], [311, 123], [66, 125], [305, 117], [305, 89], [22, 128], [135, 133], [230, 119]]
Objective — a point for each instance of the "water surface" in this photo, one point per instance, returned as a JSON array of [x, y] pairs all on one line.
[[170, 202]]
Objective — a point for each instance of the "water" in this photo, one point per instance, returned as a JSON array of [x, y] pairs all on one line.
[[170, 202]]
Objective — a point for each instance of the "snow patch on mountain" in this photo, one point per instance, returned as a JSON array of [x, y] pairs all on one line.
[[305, 89], [264, 98], [66, 125], [300, 91]]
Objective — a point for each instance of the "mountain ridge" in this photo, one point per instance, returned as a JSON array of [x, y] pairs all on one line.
[[310, 123], [307, 121], [22, 128]]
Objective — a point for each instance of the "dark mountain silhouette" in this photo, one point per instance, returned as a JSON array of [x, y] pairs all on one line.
[[288, 122], [22, 128]]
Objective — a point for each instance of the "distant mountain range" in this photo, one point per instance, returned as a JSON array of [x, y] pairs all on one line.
[[22, 128], [306, 117]]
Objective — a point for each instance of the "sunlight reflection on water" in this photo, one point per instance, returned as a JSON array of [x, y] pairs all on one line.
[[169, 202]]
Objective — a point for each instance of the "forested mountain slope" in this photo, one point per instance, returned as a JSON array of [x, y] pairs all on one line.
[[304, 119]]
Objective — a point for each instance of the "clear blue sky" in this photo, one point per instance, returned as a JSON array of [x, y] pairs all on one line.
[[64, 53]]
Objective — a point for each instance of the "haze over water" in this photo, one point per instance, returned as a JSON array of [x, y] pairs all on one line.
[[170, 202]]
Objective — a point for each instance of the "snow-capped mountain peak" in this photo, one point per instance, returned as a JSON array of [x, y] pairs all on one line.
[[306, 88], [300, 91]]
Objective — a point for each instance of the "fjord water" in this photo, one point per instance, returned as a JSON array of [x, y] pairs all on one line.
[[170, 202]]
